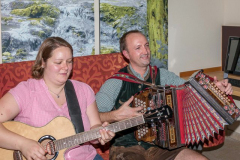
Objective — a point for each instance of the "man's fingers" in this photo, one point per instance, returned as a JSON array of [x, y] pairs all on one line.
[[229, 89], [137, 109], [225, 82], [129, 101], [215, 79]]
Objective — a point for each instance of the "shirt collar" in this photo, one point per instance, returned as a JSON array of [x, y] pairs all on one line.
[[137, 74]]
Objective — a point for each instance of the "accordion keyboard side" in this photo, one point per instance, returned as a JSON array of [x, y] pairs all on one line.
[[206, 89], [212, 101], [145, 132]]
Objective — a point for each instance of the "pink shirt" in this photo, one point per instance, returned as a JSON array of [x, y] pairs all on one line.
[[37, 108]]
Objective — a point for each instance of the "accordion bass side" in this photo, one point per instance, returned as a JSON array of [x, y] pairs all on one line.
[[200, 111]]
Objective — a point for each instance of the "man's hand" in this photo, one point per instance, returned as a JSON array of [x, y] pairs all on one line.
[[125, 111], [224, 86]]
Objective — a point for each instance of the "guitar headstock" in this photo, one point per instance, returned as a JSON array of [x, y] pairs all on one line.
[[162, 113]]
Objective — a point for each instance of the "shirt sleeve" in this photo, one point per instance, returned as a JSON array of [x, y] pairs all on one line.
[[20, 93], [170, 78], [107, 95]]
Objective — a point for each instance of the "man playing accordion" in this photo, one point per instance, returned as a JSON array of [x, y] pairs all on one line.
[[115, 97]]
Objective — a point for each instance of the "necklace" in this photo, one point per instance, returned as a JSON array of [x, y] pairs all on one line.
[[56, 93]]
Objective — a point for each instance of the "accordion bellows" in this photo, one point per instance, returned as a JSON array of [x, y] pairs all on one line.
[[200, 111]]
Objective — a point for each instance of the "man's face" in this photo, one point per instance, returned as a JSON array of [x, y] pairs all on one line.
[[138, 51]]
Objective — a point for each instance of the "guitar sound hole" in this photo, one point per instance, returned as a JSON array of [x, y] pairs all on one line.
[[44, 140]]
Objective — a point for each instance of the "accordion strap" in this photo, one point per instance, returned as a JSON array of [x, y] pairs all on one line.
[[153, 71], [73, 107], [131, 78]]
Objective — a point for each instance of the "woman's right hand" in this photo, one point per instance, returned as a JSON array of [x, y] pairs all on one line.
[[32, 150]]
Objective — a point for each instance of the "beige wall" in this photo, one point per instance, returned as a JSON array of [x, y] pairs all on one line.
[[231, 13], [194, 34]]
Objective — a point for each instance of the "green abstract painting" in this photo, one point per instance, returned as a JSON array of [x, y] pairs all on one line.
[[148, 16]]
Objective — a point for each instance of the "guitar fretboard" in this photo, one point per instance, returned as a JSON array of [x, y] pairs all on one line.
[[94, 134]]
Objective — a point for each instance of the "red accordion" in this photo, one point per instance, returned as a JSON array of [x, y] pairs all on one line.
[[200, 110]]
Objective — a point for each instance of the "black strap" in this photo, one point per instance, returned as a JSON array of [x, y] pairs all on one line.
[[73, 107]]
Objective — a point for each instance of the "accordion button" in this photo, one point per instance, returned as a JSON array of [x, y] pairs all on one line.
[[232, 106], [139, 86], [226, 107], [205, 87], [230, 112], [237, 110]]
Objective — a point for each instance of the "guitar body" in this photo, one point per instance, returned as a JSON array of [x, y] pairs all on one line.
[[59, 127]]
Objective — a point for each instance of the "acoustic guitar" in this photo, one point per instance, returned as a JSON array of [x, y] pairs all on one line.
[[60, 135]]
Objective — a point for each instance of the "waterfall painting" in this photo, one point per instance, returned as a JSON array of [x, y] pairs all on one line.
[[26, 23]]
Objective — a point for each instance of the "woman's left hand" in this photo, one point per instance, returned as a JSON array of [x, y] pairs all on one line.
[[106, 135]]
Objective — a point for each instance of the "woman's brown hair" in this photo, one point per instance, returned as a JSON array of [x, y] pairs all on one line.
[[45, 52]]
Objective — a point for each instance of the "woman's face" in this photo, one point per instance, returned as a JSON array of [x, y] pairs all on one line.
[[58, 67]]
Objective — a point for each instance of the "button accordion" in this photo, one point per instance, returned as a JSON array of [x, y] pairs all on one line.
[[200, 110]]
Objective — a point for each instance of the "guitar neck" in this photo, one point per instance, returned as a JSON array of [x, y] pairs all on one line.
[[94, 134]]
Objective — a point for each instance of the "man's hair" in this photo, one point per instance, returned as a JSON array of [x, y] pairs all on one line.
[[45, 52], [122, 41]]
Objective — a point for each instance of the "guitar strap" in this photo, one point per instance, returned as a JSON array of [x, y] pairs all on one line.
[[73, 107]]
